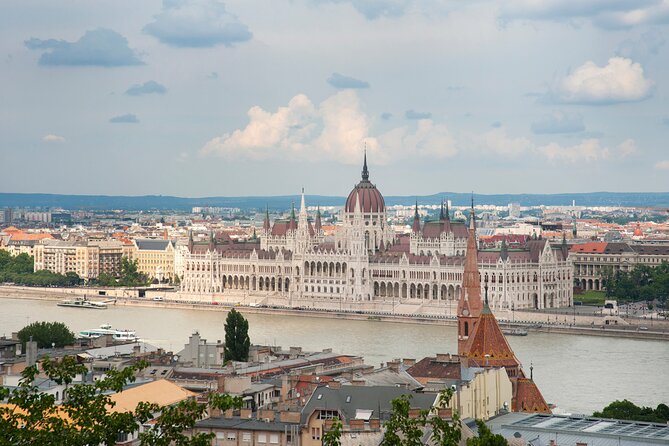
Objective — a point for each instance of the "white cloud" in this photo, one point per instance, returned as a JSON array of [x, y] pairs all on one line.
[[587, 150], [627, 148], [499, 142], [335, 130], [53, 138], [662, 165], [620, 80], [643, 13]]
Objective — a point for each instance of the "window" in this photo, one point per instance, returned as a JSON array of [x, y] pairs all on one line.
[[246, 436], [262, 438], [315, 433], [232, 436], [274, 438]]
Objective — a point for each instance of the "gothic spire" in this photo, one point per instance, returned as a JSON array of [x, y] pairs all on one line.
[[266, 224], [416, 220], [317, 223], [365, 172], [442, 217]]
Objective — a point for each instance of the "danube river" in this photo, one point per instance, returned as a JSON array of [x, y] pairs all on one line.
[[579, 374]]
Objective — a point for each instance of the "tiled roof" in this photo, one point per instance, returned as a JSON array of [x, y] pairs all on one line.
[[528, 398], [487, 346], [429, 369], [596, 247], [152, 244], [161, 392]]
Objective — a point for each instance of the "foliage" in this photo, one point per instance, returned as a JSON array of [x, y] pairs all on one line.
[[641, 283], [237, 341], [591, 297], [403, 429], [46, 333], [19, 270], [333, 436], [486, 437], [627, 410], [130, 276], [32, 417]]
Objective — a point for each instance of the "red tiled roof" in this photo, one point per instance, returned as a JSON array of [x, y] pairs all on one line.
[[487, 345], [597, 247], [528, 398]]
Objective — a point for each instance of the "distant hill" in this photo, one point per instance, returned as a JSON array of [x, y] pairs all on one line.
[[161, 202]]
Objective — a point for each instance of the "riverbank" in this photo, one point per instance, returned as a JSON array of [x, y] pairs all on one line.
[[658, 331]]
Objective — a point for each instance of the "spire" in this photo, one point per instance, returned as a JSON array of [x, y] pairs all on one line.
[[266, 224], [292, 210], [504, 250], [416, 220], [441, 213], [317, 223], [472, 216], [365, 172], [303, 208], [190, 240], [448, 212]]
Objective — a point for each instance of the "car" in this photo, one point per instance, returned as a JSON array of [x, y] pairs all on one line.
[[158, 298], [643, 328]]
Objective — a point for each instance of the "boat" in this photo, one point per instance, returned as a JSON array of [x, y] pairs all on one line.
[[82, 302], [120, 335], [515, 331]]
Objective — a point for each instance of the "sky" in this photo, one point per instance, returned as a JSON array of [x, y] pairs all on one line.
[[263, 97]]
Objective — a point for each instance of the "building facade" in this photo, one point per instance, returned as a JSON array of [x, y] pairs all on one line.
[[365, 261], [592, 260], [87, 259]]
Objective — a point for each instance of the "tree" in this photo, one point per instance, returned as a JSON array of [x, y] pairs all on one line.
[[72, 278], [404, 430], [333, 435], [627, 410], [237, 342], [47, 334], [486, 437], [32, 417]]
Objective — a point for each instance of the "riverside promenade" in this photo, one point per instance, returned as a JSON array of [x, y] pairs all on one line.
[[577, 321]]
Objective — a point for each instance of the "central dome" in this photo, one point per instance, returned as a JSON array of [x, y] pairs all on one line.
[[366, 194]]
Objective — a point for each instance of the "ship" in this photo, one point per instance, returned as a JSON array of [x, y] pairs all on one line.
[[122, 335], [514, 331], [82, 302]]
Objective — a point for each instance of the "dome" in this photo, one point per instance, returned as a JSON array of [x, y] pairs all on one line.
[[366, 193]]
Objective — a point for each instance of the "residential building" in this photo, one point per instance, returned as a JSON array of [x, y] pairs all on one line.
[[155, 258], [86, 258]]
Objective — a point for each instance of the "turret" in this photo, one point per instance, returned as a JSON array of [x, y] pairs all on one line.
[[469, 305], [190, 240], [317, 224]]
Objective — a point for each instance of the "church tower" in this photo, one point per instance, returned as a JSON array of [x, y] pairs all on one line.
[[469, 305]]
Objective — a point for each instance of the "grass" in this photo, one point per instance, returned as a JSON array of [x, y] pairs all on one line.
[[591, 297]]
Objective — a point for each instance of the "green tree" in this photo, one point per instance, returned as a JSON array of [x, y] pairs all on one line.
[[402, 429], [130, 275], [486, 437], [32, 417], [627, 410], [237, 341], [46, 334], [73, 278], [333, 435]]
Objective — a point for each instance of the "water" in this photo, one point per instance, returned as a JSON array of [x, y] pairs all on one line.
[[580, 374]]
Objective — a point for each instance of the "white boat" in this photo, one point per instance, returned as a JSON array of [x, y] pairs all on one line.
[[106, 329], [82, 302]]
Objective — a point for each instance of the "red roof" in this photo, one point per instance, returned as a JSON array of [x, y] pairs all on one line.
[[597, 247]]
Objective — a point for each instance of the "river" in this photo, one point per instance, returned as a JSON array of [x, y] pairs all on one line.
[[579, 374]]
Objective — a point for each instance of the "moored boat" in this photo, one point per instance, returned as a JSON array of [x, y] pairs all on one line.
[[120, 335], [82, 302]]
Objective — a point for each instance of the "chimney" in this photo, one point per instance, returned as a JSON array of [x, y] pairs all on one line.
[[375, 423], [443, 357], [409, 362], [245, 413], [31, 352], [356, 425], [334, 385], [394, 365]]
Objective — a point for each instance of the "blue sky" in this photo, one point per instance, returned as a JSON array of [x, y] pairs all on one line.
[[250, 97]]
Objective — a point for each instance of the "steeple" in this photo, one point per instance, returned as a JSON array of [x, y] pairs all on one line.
[[190, 240], [416, 220], [504, 250], [469, 305], [303, 208], [574, 233], [266, 224], [365, 172], [317, 223], [472, 216], [442, 217], [448, 212], [292, 223]]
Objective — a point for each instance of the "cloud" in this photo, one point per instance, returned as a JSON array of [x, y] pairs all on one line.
[[643, 48], [662, 165], [375, 9], [559, 122], [586, 150], [602, 13], [149, 87], [100, 47], [429, 140], [386, 116], [496, 124], [340, 81], [128, 118], [411, 114], [620, 80], [197, 24], [53, 138], [335, 130], [500, 143]]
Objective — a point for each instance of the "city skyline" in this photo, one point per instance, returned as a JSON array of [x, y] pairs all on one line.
[[205, 98]]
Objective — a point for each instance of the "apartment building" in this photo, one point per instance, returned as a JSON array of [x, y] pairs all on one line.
[[86, 258]]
